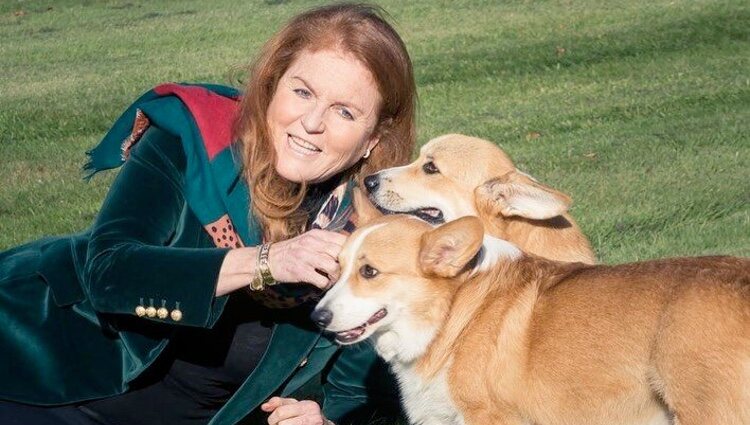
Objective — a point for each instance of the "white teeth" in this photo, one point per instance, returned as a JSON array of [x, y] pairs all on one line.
[[302, 146]]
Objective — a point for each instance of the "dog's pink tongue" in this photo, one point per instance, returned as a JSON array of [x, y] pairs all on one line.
[[351, 334]]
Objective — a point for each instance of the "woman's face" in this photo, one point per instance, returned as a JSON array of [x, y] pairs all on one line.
[[323, 115]]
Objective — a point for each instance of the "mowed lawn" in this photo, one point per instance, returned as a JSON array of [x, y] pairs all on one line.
[[640, 110]]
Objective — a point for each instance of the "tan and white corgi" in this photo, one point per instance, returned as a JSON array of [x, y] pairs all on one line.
[[480, 333], [457, 175]]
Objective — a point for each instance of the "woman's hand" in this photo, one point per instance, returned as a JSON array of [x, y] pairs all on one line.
[[302, 258], [288, 411]]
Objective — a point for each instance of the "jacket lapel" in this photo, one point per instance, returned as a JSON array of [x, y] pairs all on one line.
[[315, 362], [235, 195]]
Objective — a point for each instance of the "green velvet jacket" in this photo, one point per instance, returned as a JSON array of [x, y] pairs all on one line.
[[67, 305]]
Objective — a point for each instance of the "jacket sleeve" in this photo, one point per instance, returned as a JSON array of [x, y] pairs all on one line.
[[360, 389], [129, 261]]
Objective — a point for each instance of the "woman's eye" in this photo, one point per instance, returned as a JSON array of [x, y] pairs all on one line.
[[346, 114], [430, 168], [303, 93], [368, 272]]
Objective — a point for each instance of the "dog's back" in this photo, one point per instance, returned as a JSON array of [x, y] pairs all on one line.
[[562, 344]]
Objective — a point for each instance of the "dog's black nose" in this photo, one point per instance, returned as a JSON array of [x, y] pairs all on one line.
[[371, 182], [322, 317]]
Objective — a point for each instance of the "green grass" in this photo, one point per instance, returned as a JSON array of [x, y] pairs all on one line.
[[641, 108]]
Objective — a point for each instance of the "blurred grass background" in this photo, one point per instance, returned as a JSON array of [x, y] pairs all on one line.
[[639, 109]]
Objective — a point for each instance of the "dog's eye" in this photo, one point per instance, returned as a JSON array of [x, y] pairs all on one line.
[[368, 272], [430, 168]]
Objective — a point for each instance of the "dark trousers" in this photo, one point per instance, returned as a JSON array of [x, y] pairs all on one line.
[[24, 414]]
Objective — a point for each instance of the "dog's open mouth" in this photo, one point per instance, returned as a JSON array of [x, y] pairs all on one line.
[[351, 335], [431, 215]]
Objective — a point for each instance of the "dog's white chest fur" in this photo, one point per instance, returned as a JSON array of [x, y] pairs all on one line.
[[426, 402]]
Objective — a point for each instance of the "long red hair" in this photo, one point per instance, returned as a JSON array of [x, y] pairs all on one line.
[[356, 29]]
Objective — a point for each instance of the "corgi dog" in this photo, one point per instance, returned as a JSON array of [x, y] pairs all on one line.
[[480, 333], [457, 175]]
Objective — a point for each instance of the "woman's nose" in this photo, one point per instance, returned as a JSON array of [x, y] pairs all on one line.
[[312, 121]]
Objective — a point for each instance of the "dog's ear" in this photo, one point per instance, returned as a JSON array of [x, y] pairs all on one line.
[[446, 250], [364, 210], [517, 194]]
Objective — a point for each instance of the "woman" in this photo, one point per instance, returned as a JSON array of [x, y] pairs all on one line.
[[142, 319]]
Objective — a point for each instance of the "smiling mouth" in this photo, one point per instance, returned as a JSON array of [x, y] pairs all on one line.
[[302, 146], [351, 335], [431, 215]]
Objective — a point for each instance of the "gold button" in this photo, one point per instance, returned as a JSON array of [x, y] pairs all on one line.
[[303, 362], [176, 315], [140, 311], [151, 311], [162, 313]]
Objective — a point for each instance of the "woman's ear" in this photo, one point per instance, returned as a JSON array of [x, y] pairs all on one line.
[[381, 129], [517, 194], [371, 145]]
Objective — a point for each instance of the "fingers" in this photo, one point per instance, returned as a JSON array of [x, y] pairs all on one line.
[[304, 420], [297, 259], [331, 237], [295, 412], [324, 242], [316, 279], [330, 249], [329, 266], [275, 402], [326, 272]]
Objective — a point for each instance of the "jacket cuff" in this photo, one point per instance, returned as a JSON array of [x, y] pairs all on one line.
[[186, 289]]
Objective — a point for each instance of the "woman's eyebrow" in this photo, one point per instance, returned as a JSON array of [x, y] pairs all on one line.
[[347, 104]]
